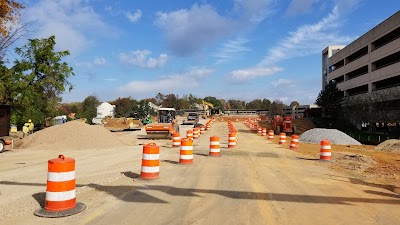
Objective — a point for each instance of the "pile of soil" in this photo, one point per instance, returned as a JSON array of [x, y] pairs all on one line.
[[71, 135], [391, 145], [302, 125], [121, 123]]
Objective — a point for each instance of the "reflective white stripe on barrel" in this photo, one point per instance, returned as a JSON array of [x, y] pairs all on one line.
[[150, 169], [325, 147], [325, 153], [183, 147], [186, 157], [215, 150], [150, 156], [62, 176], [60, 196]]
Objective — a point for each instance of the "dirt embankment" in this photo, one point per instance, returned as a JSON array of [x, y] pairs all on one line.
[[71, 135]]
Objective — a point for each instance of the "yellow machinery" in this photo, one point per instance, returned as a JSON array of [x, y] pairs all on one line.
[[213, 110], [165, 126]]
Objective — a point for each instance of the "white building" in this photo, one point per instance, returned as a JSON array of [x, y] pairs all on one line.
[[299, 111], [105, 109]]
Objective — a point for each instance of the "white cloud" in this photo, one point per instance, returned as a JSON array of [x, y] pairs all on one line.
[[73, 22], [282, 82], [231, 48], [308, 39], [251, 73], [110, 79], [188, 30], [141, 58], [99, 61], [254, 11], [300, 7], [134, 17], [297, 7], [168, 84]]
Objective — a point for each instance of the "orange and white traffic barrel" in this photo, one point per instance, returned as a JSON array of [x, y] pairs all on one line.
[[264, 131], [186, 153], [60, 198], [232, 140], [189, 134], [202, 129], [325, 150], [259, 130], [294, 144], [282, 138], [214, 146], [176, 139], [150, 162], [195, 134], [208, 126], [270, 135]]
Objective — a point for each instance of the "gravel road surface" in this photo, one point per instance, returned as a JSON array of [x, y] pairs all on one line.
[[258, 182]]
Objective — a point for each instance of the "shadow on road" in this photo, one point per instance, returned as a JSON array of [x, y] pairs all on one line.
[[391, 188], [130, 174], [137, 194], [170, 161], [40, 198], [302, 158]]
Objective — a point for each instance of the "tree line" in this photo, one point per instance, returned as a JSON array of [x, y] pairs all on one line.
[[130, 107]]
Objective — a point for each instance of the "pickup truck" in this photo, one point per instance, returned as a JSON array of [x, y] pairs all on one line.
[[192, 118]]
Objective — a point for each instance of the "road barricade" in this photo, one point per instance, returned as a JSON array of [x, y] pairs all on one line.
[[60, 200], [150, 162]]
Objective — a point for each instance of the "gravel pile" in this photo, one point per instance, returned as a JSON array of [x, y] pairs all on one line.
[[336, 137], [391, 145], [72, 135]]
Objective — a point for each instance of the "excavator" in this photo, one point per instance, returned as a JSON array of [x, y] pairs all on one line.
[[213, 110], [165, 126]]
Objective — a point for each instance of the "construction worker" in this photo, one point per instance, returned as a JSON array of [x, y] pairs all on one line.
[[30, 126], [25, 130]]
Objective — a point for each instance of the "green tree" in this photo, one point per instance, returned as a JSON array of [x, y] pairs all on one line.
[[143, 109], [217, 103], [89, 110], [124, 106], [266, 103], [330, 100], [255, 104], [277, 108], [183, 103], [170, 101], [34, 84], [237, 104]]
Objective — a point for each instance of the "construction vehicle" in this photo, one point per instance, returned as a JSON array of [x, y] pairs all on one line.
[[165, 126], [5, 139], [283, 124], [214, 111], [192, 119]]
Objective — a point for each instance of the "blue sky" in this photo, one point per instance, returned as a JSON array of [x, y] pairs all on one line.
[[231, 49]]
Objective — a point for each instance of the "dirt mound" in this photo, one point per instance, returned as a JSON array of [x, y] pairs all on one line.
[[303, 124], [391, 145], [115, 124], [71, 135]]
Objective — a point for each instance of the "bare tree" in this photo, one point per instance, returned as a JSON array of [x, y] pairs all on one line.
[[294, 105], [11, 26], [20, 31]]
